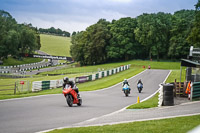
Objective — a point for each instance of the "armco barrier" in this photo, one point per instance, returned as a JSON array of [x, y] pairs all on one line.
[[43, 85], [102, 74], [195, 91]]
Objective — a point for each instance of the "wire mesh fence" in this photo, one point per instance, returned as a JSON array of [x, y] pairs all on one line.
[[20, 86]]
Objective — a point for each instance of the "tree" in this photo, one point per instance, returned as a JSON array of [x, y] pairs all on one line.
[[194, 37], [28, 40], [153, 32], [78, 47], [181, 27], [88, 46], [123, 44], [7, 27], [98, 38]]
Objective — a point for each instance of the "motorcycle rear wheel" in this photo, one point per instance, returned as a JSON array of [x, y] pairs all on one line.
[[126, 93], [139, 89]]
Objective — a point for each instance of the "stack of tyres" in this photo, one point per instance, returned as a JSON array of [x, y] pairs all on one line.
[[168, 97]]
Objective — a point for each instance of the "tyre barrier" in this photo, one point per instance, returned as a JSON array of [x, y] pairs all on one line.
[[168, 97]]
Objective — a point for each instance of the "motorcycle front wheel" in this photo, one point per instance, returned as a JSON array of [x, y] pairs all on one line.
[[69, 100], [79, 102]]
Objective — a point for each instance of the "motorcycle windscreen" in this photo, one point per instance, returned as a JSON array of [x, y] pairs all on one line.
[[139, 85], [125, 87]]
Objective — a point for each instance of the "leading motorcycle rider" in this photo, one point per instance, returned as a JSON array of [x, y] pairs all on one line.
[[125, 82], [71, 83]]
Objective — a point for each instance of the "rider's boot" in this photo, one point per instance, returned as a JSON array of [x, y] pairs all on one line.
[[78, 95]]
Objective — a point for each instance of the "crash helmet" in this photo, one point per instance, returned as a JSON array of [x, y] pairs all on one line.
[[125, 80], [65, 79]]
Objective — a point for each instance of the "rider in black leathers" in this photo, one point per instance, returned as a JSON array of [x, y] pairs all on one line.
[[140, 81], [71, 83], [125, 82]]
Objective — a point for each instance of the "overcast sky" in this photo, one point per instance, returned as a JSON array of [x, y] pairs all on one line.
[[77, 15]]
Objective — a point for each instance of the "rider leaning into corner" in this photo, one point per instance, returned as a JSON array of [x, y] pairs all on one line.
[[125, 82], [71, 83]]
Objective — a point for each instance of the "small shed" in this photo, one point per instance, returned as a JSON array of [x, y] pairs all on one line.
[[193, 65]]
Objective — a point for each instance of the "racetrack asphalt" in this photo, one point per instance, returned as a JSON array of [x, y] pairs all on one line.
[[51, 111]]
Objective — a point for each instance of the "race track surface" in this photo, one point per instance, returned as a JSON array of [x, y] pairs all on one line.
[[51, 111]]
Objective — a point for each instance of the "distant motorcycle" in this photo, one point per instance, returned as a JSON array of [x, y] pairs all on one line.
[[140, 86], [71, 96], [126, 90]]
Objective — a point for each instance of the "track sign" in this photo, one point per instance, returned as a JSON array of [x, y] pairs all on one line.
[[22, 82]]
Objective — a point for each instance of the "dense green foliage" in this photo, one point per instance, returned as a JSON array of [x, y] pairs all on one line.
[[194, 36], [54, 31], [148, 36], [16, 38]]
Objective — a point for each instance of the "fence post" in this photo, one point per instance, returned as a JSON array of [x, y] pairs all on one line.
[[191, 91], [15, 88]]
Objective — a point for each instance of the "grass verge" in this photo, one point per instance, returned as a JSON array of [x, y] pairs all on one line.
[[150, 103], [171, 125]]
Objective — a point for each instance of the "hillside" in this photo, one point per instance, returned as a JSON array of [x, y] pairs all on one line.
[[55, 45]]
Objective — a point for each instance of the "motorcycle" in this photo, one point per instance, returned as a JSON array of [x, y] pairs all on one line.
[[126, 90], [71, 96], [139, 86]]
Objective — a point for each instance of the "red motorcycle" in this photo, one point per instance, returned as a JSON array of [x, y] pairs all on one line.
[[71, 96]]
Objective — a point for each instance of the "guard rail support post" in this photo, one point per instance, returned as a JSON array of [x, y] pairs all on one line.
[[15, 88], [191, 92]]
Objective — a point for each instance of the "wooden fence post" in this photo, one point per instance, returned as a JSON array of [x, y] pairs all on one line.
[[15, 88]]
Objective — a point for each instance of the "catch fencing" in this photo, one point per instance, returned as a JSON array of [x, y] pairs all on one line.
[[20, 86]]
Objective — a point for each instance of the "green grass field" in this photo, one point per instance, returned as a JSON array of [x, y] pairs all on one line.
[[55, 45], [171, 125], [134, 63], [11, 61]]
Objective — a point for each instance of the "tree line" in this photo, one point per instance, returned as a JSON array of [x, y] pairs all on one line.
[[54, 31], [16, 38], [156, 35]]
